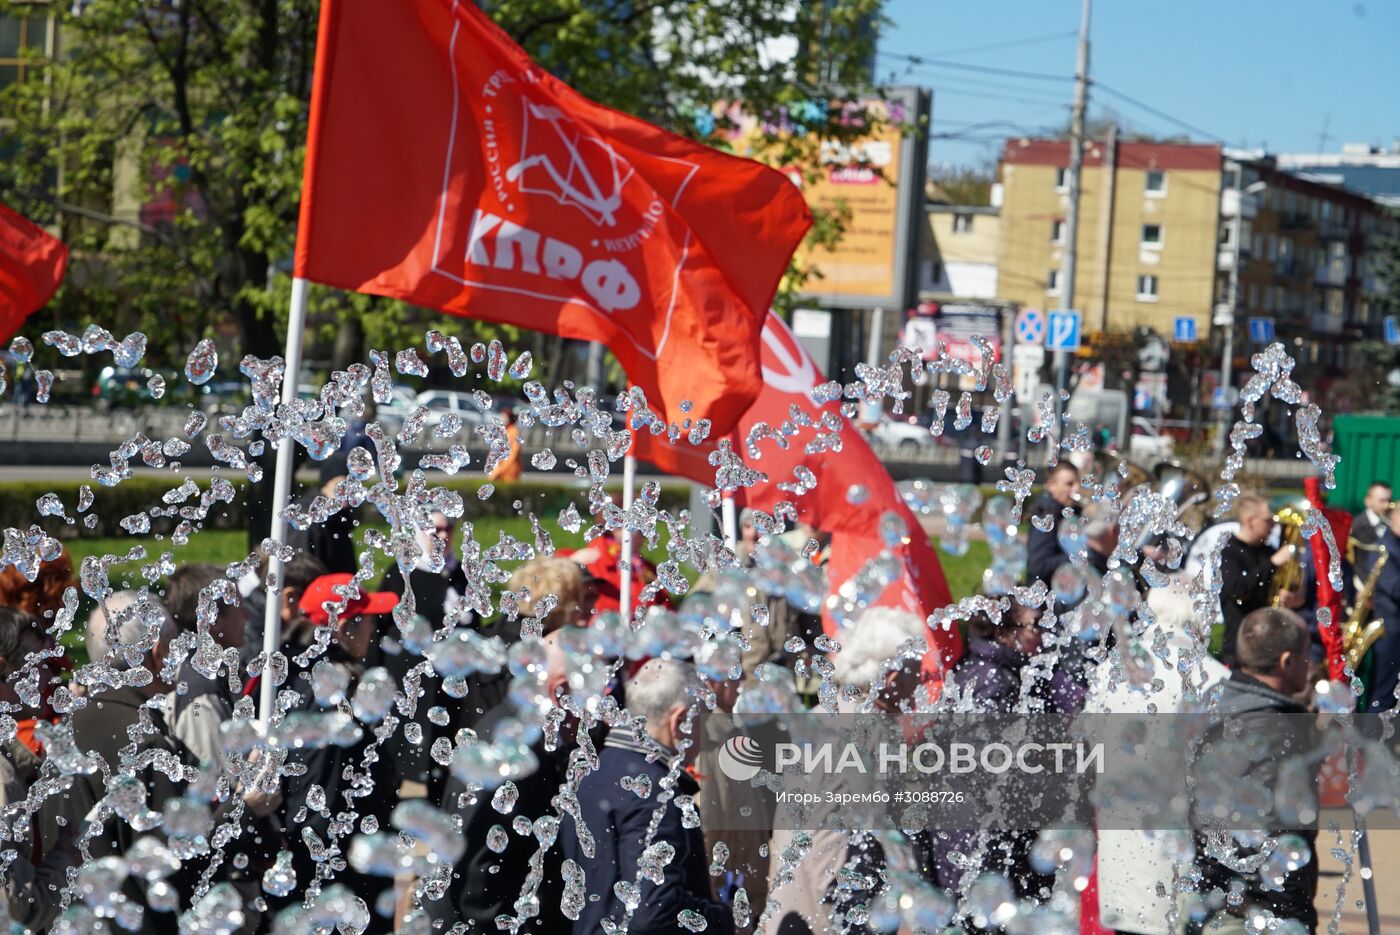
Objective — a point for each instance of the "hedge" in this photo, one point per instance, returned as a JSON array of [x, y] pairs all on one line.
[[112, 504]]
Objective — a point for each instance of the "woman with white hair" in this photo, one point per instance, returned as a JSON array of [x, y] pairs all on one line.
[[880, 657], [879, 660], [1134, 866]]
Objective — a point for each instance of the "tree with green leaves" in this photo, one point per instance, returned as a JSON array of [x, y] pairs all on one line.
[[166, 140]]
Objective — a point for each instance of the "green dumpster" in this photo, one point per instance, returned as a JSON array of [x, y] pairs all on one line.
[[1369, 446]]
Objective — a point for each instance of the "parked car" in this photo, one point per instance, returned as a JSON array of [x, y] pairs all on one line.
[[454, 402], [1147, 445], [906, 434], [391, 415]]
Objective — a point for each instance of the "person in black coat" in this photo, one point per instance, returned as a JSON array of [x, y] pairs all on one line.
[[323, 771], [1385, 606], [1247, 568], [1043, 552], [998, 652], [1272, 656], [661, 692], [1369, 526], [486, 883], [331, 541]]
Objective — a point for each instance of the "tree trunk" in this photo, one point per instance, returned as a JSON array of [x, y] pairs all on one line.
[[349, 343]]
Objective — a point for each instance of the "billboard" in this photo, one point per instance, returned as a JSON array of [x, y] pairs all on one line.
[[934, 326], [879, 179]]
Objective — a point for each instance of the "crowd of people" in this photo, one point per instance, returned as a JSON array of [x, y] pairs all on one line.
[[156, 745]]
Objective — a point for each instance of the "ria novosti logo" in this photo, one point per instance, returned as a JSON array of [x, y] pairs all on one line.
[[740, 758]]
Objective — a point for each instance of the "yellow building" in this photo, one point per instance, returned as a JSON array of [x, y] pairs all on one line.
[[1149, 217], [959, 251]]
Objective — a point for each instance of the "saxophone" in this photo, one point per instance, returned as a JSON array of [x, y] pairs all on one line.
[[1289, 575], [1358, 635]]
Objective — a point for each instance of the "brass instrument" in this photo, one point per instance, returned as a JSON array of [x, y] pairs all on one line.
[[1289, 575], [1179, 485], [1359, 634]]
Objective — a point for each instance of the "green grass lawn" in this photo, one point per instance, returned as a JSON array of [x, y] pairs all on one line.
[[223, 546]]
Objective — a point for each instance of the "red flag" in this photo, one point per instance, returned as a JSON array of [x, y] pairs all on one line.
[[445, 168], [31, 268], [851, 516], [1333, 646]]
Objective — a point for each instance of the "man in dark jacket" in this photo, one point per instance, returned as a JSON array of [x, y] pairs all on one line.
[[1043, 552], [1247, 568], [1368, 526], [661, 692], [487, 882], [108, 725], [1385, 606], [331, 541], [320, 786], [1238, 769]]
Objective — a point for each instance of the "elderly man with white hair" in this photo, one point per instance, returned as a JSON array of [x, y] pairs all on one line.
[[876, 671], [127, 638], [618, 803]]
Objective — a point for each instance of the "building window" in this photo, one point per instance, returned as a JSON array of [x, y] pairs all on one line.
[[21, 39], [1052, 282], [1253, 296], [1061, 179], [962, 223], [1147, 288], [1057, 231], [1156, 182], [1152, 235]]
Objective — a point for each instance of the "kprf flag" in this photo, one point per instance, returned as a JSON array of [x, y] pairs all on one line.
[[853, 489], [445, 168], [31, 268]]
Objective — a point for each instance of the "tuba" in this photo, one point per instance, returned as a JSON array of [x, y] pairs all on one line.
[[1289, 575], [1359, 634], [1180, 486]]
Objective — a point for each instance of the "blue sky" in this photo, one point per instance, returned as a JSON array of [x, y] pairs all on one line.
[[1272, 73]]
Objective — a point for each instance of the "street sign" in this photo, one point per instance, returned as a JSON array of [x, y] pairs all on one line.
[[1026, 361], [1261, 330], [1185, 331], [1063, 332], [1392, 330], [1030, 326], [1224, 397]]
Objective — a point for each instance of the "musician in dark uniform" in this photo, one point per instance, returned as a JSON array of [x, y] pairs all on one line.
[[1385, 674], [1043, 552], [1247, 567], [1368, 526]]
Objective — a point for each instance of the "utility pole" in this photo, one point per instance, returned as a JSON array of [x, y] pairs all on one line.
[[1076, 164], [1225, 316]]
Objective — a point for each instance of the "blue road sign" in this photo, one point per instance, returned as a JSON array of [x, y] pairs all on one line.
[[1064, 331], [1030, 326], [1185, 331], [1261, 330], [1392, 330]]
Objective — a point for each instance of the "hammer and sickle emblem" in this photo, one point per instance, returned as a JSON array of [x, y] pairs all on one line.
[[786, 366]]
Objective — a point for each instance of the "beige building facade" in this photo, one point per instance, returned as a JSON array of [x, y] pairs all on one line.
[[1147, 241]]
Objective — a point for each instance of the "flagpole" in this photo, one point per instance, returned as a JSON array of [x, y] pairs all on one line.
[[281, 494], [629, 475], [729, 523]]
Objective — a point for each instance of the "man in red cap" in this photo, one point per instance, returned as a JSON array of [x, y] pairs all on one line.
[[334, 779], [355, 624]]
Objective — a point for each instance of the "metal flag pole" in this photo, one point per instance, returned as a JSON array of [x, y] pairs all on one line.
[[281, 494], [730, 523], [629, 475], [1368, 877]]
